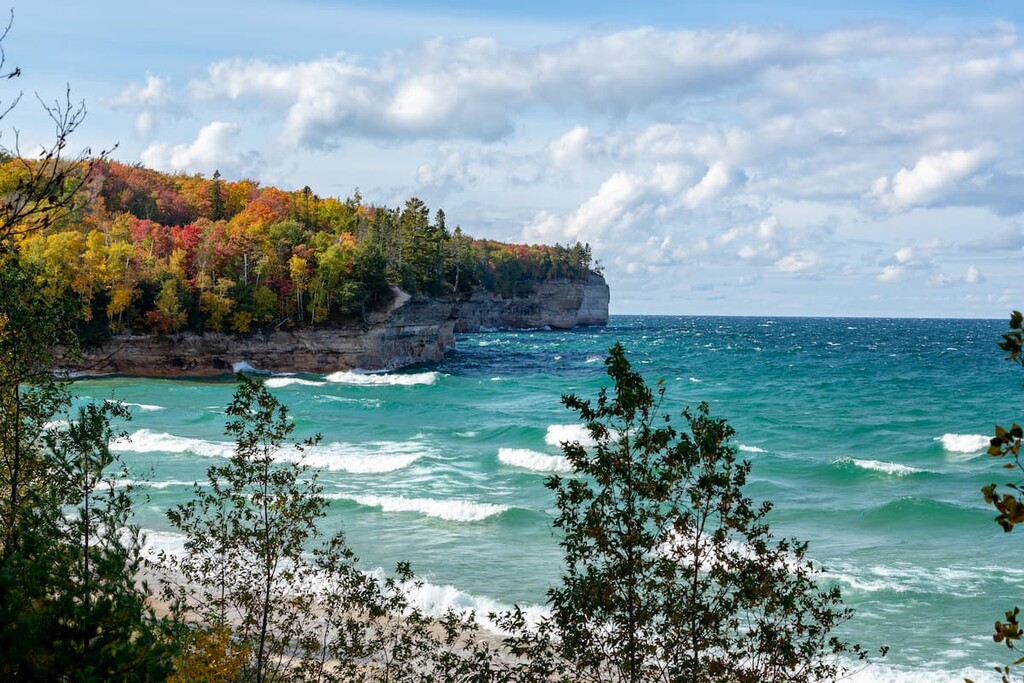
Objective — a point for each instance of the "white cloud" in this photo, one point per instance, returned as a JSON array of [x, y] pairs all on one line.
[[448, 173], [153, 100], [213, 148], [932, 176], [973, 275], [570, 150], [799, 262], [712, 185], [892, 273], [904, 255]]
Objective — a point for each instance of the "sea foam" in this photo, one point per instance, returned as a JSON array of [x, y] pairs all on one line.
[[373, 458], [744, 448], [148, 441], [141, 406], [964, 443], [557, 434], [532, 460], [383, 379], [278, 382], [452, 510], [879, 466]]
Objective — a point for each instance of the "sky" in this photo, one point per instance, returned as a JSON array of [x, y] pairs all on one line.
[[721, 157]]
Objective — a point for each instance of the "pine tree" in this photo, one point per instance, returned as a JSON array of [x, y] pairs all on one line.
[[671, 572]]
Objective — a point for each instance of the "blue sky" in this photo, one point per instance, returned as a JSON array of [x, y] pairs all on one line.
[[787, 158]]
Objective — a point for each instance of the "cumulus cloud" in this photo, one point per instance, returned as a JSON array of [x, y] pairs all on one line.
[[932, 176], [153, 100], [213, 148], [474, 88], [712, 185], [449, 172], [802, 261], [570, 150]]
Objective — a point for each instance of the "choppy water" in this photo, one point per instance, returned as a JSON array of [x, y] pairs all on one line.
[[868, 435]]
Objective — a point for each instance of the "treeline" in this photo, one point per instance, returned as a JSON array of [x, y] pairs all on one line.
[[143, 251]]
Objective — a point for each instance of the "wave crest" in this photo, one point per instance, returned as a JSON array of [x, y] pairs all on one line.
[[964, 443], [453, 510], [148, 441], [532, 460], [383, 379], [879, 466], [278, 382], [373, 458], [557, 434]]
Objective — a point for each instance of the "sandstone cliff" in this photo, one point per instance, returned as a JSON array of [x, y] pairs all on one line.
[[411, 330], [558, 305]]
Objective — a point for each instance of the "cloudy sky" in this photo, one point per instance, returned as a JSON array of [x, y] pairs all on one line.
[[721, 157]]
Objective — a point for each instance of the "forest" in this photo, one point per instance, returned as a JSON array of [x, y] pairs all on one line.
[[147, 252]]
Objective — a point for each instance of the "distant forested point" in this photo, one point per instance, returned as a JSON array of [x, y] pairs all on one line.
[[151, 252]]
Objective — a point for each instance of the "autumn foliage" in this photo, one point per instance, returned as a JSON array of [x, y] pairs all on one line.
[[148, 252]]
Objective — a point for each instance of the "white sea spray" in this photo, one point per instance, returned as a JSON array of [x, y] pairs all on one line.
[[533, 460], [383, 379], [454, 510]]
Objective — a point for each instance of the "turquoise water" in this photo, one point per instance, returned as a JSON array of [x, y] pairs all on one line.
[[868, 436]]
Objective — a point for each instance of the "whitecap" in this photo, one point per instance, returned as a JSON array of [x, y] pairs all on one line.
[[593, 359], [532, 460], [557, 434], [437, 600], [744, 448], [964, 443], [879, 466], [372, 458], [278, 382], [368, 402], [383, 379], [142, 483], [148, 441], [696, 380], [454, 510], [243, 366], [878, 672], [141, 406]]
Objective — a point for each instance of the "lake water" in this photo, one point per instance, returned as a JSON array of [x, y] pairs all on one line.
[[868, 435]]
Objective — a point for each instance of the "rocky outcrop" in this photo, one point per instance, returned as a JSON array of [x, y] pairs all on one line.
[[411, 330], [559, 305]]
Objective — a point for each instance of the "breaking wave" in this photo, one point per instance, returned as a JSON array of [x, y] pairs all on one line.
[[532, 460], [278, 382], [892, 468], [452, 510], [557, 434], [964, 443], [383, 379]]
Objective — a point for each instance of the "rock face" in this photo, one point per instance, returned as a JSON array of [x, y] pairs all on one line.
[[411, 330], [558, 305]]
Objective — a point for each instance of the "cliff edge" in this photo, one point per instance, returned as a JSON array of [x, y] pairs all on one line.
[[559, 305], [412, 329]]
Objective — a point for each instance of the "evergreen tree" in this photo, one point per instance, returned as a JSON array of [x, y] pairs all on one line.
[[671, 572]]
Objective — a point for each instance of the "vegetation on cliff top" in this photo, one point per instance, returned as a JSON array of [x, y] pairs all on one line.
[[148, 252]]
